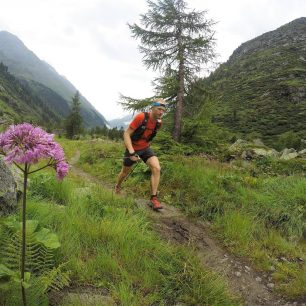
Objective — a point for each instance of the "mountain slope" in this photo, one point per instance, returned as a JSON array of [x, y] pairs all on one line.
[[261, 89], [25, 65], [19, 103]]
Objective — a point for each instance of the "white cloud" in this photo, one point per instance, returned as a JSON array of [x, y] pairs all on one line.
[[89, 41]]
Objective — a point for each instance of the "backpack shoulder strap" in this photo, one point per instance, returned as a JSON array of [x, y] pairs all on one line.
[[141, 128], [154, 132], [146, 118]]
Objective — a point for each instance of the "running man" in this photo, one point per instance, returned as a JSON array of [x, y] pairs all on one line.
[[137, 139]]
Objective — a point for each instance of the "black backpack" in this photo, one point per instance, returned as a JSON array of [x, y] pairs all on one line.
[[141, 129]]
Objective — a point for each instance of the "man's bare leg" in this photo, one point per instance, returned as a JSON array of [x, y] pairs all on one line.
[[122, 175], [153, 163]]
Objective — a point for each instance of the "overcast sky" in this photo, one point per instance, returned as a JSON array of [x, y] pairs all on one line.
[[88, 41]]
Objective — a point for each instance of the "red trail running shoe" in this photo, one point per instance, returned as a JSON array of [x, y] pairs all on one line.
[[155, 203], [117, 189]]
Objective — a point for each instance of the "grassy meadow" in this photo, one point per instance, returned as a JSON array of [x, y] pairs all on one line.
[[256, 209], [106, 243]]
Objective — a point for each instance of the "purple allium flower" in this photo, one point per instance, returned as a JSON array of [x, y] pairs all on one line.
[[62, 169], [26, 144]]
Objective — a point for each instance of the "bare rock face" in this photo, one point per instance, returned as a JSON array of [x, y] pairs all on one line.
[[302, 153], [288, 154], [251, 150], [10, 188]]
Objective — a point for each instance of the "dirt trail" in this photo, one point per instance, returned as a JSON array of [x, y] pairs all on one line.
[[253, 287]]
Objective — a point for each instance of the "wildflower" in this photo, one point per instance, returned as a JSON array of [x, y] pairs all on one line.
[[26, 144]]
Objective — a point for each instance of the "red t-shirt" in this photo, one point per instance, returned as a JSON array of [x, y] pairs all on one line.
[[142, 144]]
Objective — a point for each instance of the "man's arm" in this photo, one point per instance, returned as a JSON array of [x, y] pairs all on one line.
[[127, 139], [128, 143]]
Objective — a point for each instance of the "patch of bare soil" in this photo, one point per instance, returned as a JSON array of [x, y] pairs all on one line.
[[85, 295], [255, 288]]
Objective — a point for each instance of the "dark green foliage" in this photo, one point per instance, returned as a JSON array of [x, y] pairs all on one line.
[[198, 126], [164, 143], [74, 121], [115, 134], [167, 85], [289, 139], [205, 135]]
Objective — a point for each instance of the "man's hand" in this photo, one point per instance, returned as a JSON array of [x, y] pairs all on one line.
[[134, 157]]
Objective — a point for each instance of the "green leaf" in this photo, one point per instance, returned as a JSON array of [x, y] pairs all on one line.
[[48, 239], [6, 272], [14, 225], [27, 276], [31, 225], [25, 283]]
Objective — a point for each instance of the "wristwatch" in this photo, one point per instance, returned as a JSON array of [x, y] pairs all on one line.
[[132, 154]]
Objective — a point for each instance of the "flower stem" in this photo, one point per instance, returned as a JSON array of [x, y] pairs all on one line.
[[45, 166], [18, 167], [23, 246]]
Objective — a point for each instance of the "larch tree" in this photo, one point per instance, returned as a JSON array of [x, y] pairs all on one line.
[[172, 37]]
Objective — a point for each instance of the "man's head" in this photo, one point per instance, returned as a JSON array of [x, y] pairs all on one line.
[[158, 108]]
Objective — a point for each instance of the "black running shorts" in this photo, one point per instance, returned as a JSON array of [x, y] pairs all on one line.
[[144, 154]]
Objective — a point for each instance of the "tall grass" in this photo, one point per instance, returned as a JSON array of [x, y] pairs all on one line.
[[107, 242], [207, 189], [44, 186]]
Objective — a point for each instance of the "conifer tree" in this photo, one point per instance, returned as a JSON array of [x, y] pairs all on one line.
[[74, 121], [173, 37]]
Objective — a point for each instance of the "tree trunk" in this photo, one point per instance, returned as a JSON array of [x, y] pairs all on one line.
[[179, 103]]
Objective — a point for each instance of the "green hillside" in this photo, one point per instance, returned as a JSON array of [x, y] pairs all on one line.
[[25, 65], [261, 89], [19, 103]]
